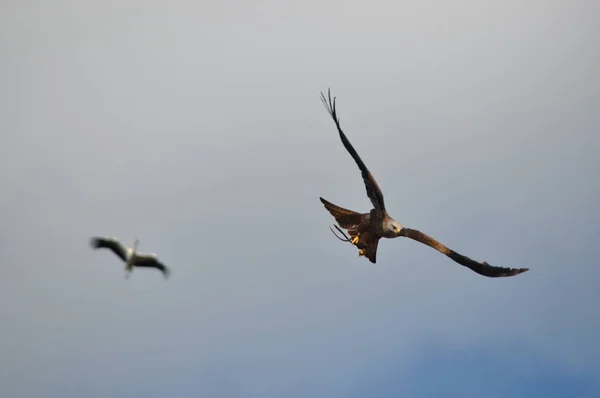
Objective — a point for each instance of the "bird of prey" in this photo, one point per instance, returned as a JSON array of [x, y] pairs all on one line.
[[365, 229], [130, 256]]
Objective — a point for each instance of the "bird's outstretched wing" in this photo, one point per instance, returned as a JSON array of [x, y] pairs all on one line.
[[151, 262], [344, 217], [483, 268], [373, 191], [110, 243]]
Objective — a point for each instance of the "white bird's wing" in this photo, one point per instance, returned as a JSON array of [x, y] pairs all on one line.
[[110, 243], [151, 261]]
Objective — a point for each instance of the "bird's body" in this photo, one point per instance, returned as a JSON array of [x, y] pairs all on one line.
[[365, 229], [130, 256]]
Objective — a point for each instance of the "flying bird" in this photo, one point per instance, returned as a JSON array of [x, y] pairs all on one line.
[[365, 229], [130, 256]]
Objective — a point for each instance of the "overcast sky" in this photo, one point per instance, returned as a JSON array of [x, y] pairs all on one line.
[[197, 128]]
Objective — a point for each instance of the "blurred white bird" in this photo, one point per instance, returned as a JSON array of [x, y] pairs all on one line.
[[129, 255]]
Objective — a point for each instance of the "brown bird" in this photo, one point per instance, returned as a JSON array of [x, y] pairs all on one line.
[[365, 229]]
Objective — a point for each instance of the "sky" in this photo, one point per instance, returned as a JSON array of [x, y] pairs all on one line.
[[197, 128]]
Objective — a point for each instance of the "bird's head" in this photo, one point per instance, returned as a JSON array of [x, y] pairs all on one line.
[[393, 228]]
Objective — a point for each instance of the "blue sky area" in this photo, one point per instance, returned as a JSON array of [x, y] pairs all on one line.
[[197, 128]]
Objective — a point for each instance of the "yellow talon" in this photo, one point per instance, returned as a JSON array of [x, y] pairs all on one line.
[[355, 240], [361, 252]]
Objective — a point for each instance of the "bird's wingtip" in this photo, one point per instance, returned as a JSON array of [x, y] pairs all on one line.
[[516, 271]]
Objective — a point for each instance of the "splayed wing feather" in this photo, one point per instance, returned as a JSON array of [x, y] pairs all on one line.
[[373, 191], [483, 268]]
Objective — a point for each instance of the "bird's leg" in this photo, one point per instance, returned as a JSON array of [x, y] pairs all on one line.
[[354, 241], [345, 237]]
